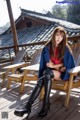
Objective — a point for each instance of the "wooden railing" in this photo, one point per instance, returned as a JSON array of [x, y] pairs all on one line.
[[72, 39]]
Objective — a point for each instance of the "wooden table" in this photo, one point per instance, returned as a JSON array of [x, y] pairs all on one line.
[[13, 67], [27, 76], [31, 67]]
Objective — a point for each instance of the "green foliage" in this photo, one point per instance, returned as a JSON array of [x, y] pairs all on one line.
[[73, 12], [69, 11], [59, 11]]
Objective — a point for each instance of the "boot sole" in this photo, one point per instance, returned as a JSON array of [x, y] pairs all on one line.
[[18, 114], [21, 114]]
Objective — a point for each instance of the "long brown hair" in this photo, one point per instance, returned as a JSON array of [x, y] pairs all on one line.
[[61, 46]]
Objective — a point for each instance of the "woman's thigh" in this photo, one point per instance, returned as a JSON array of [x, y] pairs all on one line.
[[57, 75]]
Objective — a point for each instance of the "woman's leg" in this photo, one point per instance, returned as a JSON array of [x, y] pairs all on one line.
[[57, 74], [47, 88], [27, 108]]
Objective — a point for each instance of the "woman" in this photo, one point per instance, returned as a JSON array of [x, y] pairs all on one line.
[[56, 60]]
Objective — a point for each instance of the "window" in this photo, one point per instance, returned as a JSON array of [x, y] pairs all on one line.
[[29, 24]]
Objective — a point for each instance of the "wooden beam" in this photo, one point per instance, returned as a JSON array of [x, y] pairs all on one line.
[[74, 38], [13, 28]]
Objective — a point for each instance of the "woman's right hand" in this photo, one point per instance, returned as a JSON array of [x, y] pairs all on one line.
[[50, 64]]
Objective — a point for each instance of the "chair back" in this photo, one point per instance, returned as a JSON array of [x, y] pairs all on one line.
[[36, 57], [76, 53], [19, 56]]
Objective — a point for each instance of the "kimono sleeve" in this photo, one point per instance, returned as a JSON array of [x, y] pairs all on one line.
[[45, 58], [68, 63]]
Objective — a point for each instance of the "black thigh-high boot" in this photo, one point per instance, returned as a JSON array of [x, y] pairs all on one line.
[[47, 88], [27, 108]]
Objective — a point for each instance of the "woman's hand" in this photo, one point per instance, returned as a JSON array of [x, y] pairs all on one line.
[[63, 69], [50, 64], [57, 66]]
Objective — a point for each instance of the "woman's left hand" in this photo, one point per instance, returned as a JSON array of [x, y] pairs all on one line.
[[63, 69]]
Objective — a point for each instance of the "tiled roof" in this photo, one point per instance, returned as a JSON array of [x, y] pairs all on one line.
[[30, 35], [36, 33], [49, 17]]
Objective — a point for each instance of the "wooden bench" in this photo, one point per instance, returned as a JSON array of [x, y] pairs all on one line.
[[26, 75], [18, 58]]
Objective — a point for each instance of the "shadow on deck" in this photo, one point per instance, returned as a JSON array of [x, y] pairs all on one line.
[[11, 99]]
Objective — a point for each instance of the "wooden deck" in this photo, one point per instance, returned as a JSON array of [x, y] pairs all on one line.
[[11, 99]]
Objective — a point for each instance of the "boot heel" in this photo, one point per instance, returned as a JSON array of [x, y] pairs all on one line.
[[44, 111], [28, 115], [49, 106]]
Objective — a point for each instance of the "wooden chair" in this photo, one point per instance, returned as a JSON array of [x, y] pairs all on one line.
[[18, 58], [68, 85], [26, 75]]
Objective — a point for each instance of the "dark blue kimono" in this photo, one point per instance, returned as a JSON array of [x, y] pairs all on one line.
[[68, 62]]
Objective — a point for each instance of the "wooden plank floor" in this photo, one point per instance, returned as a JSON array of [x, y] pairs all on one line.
[[10, 99]]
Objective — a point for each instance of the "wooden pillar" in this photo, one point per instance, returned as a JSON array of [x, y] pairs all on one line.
[[13, 27]]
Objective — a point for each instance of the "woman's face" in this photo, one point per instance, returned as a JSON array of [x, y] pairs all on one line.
[[58, 38]]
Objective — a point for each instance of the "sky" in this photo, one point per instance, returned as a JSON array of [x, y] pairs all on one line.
[[34, 5]]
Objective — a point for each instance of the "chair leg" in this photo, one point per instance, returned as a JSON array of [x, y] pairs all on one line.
[[3, 81], [8, 84], [69, 91], [22, 86]]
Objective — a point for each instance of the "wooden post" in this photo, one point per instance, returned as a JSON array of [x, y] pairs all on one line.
[[13, 28]]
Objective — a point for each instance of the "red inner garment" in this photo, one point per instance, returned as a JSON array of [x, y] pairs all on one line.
[[55, 59]]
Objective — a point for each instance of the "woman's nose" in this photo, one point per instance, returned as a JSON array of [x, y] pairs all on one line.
[[58, 37]]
